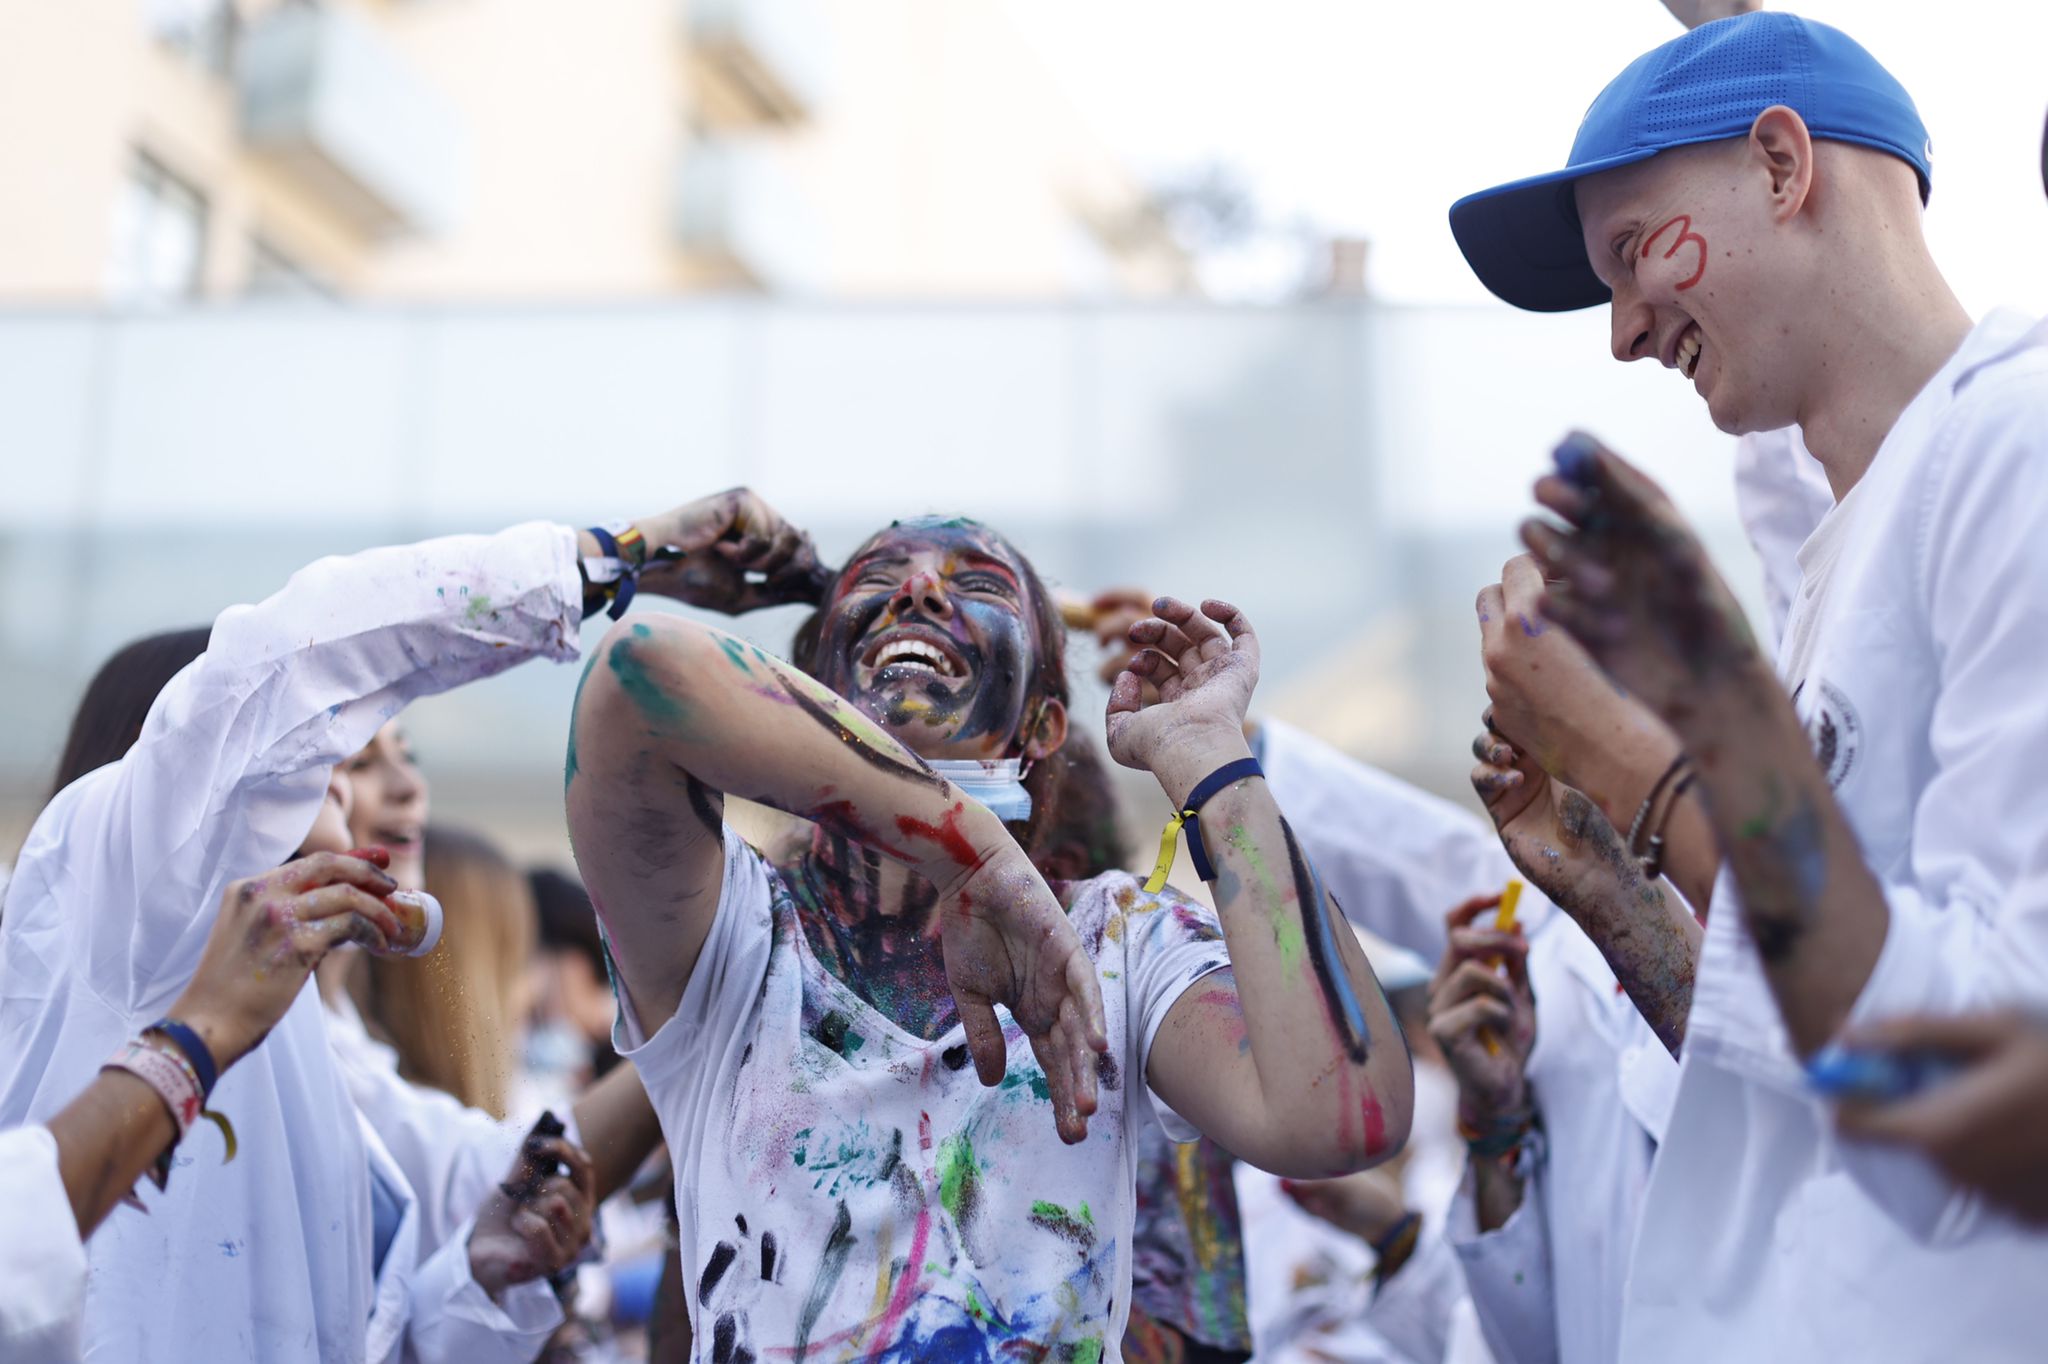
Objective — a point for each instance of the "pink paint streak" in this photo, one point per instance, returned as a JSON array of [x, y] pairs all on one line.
[[946, 833], [906, 1287]]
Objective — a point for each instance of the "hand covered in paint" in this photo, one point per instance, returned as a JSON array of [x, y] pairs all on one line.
[[1481, 991], [739, 555], [1007, 941], [1693, 13], [1366, 1204], [1551, 701], [531, 1228], [272, 931], [1205, 665], [1553, 834], [1630, 582], [1987, 1127]]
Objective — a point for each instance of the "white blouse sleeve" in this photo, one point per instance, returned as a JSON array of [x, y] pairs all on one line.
[[233, 760], [1508, 1272], [42, 1260]]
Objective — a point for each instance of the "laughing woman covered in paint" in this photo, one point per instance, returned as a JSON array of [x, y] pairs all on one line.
[[847, 1187]]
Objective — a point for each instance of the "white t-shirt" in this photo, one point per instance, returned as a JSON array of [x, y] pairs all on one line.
[[848, 1190]]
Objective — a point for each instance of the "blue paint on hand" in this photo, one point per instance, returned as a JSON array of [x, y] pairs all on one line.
[[1578, 458]]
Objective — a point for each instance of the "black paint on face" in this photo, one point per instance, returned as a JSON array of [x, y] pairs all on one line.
[[930, 631]]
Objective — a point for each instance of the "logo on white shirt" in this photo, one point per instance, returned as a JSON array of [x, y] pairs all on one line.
[[1837, 733]]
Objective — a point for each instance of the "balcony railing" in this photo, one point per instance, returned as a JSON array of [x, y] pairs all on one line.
[[760, 62], [326, 99], [739, 213]]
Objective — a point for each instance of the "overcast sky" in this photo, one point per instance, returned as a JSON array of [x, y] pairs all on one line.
[[1369, 118]]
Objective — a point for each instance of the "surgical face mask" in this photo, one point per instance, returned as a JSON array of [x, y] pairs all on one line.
[[998, 784]]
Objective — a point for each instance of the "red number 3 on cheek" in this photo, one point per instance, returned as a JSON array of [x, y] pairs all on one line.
[[1683, 222]]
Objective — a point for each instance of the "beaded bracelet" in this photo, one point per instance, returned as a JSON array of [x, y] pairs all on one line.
[[1496, 1138]]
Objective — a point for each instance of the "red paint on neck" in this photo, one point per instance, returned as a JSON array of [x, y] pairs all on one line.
[[946, 833]]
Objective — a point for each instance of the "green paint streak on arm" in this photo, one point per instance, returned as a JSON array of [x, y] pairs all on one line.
[[569, 763], [1759, 825], [735, 652], [639, 685], [1287, 931]]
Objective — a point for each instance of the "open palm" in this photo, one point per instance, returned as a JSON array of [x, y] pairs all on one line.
[[1205, 665]]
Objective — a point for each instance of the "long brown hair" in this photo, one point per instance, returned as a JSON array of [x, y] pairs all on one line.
[[109, 717], [455, 1015]]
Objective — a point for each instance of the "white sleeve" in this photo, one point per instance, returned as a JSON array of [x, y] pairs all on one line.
[[1968, 925], [233, 760], [451, 1154], [453, 1321], [1413, 1310], [1394, 857], [1177, 946], [1508, 1273], [42, 1261], [1781, 494]]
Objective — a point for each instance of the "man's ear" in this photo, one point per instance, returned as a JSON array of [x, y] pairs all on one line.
[[1048, 733], [1782, 148]]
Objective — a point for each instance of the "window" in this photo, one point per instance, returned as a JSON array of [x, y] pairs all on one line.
[[275, 275], [203, 31], [159, 237]]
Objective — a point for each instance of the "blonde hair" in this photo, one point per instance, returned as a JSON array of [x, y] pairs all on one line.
[[453, 1015]]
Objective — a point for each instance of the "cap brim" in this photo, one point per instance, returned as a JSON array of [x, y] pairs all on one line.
[[1523, 239]]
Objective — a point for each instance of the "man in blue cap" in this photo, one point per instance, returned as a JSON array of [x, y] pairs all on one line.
[[1746, 200]]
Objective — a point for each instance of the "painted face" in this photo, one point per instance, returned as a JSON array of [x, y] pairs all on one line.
[[1677, 239], [390, 803], [930, 631]]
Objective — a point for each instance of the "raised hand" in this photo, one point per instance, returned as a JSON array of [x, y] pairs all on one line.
[[1481, 991], [1006, 941], [1205, 665], [537, 1222], [738, 555], [1631, 583], [272, 931]]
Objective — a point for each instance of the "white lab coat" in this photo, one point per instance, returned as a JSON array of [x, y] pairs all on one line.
[[1550, 1283], [111, 903], [1763, 1236], [1781, 494], [42, 1261]]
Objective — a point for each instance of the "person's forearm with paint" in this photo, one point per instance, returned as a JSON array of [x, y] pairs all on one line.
[[1676, 637], [1308, 1108]]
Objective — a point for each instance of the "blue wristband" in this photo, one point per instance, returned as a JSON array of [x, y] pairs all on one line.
[[196, 1051], [628, 581], [1197, 798]]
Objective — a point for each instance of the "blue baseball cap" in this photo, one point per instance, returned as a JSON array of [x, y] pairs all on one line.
[[1523, 239]]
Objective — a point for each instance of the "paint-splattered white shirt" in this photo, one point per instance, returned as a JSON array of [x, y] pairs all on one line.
[[847, 1190]]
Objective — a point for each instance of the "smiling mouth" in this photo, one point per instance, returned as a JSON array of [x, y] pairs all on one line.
[[397, 840], [1689, 351], [912, 653]]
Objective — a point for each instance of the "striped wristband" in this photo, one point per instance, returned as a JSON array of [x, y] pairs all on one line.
[[172, 1078]]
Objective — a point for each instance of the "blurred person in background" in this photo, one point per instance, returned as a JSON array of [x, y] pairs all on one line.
[[58, 1181], [316, 1227], [569, 1031], [458, 1017]]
